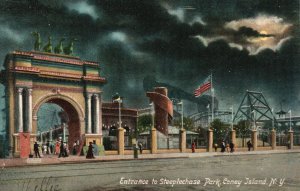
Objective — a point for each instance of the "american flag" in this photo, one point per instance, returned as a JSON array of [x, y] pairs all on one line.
[[206, 85]]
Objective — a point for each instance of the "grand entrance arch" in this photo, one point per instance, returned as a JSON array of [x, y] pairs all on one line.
[[74, 113], [34, 78]]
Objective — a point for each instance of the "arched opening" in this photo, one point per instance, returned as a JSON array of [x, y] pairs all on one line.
[[55, 114]]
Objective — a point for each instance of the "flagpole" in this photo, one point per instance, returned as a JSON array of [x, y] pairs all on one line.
[[212, 98]]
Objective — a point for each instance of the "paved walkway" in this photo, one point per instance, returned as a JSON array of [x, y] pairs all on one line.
[[53, 159]]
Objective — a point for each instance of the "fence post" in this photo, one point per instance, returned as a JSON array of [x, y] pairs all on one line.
[[210, 140], [273, 139], [153, 141], [254, 139], [182, 140], [120, 141]]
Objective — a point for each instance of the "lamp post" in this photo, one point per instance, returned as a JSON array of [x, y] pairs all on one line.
[[41, 137], [273, 119], [231, 117], [207, 115], [152, 113], [290, 112], [64, 132], [50, 135], [254, 119], [118, 99], [181, 103], [120, 125], [212, 105]]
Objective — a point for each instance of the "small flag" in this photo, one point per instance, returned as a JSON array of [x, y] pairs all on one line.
[[206, 85]]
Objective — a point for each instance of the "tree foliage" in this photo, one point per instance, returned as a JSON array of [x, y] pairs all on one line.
[[144, 123], [243, 128], [188, 123], [220, 130]]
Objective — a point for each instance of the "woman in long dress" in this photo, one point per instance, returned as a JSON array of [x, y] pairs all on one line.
[[57, 148], [90, 154]]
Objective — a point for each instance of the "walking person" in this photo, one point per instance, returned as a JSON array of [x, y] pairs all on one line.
[[223, 147], [51, 147], [193, 146], [90, 154], [48, 148], [227, 147], [36, 150], [141, 147], [57, 146], [249, 144], [74, 151], [231, 145], [95, 148], [62, 150], [216, 147], [66, 150]]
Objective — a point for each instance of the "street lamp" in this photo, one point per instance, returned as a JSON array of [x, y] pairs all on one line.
[[41, 137], [290, 112], [254, 119], [273, 119], [50, 135], [207, 115], [118, 99], [64, 132], [181, 103], [212, 104], [152, 113], [231, 117]]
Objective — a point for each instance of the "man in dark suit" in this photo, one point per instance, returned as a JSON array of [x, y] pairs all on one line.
[[36, 150]]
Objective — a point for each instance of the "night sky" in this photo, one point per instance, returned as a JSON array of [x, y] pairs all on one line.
[[248, 45]]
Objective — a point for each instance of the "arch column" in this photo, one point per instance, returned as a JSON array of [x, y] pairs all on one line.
[[96, 114], [89, 114], [20, 110], [29, 107]]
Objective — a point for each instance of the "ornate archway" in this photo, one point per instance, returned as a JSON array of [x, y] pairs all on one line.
[[34, 78], [73, 110]]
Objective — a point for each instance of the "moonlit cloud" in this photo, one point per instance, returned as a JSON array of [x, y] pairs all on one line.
[[271, 31], [269, 24], [274, 48], [118, 36], [83, 8], [197, 19], [11, 34], [234, 45], [179, 13], [207, 40]]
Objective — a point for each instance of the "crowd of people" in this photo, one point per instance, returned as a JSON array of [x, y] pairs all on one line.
[[229, 147], [60, 148]]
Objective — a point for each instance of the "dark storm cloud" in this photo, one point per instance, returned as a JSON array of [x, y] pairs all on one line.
[[133, 39], [249, 32]]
